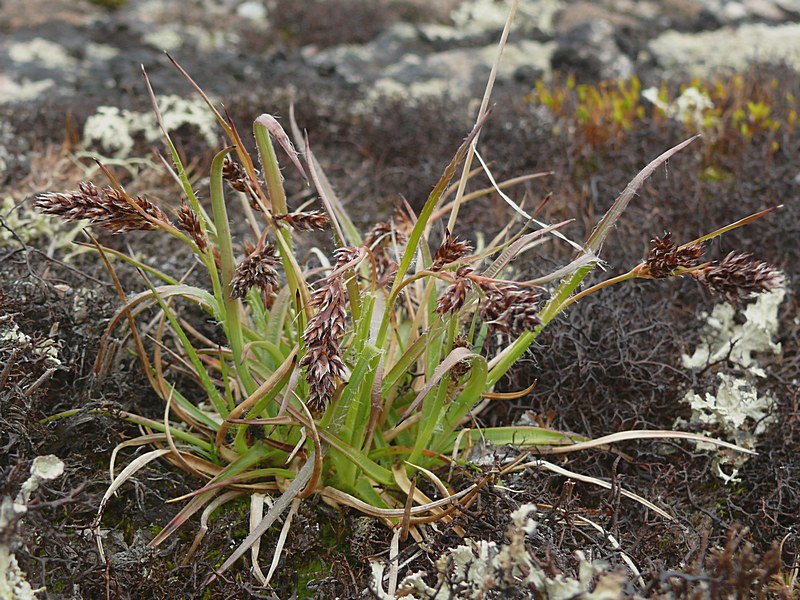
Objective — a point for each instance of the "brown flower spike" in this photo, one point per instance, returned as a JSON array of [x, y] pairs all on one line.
[[666, 257], [323, 336], [450, 251], [454, 296], [235, 175], [258, 269], [108, 208], [737, 276], [511, 309], [188, 221], [304, 221]]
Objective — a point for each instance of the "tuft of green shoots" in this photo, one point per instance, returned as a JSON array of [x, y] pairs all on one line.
[[347, 381]]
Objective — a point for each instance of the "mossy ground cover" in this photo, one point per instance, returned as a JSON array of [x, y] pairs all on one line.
[[612, 363]]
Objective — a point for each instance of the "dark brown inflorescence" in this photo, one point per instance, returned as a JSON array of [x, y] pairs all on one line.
[[108, 208], [665, 257], [450, 251], [323, 335], [235, 175], [454, 296], [258, 270], [511, 309], [737, 276], [304, 221], [188, 221]]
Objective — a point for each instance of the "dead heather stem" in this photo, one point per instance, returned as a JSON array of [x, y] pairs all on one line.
[[108, 208]]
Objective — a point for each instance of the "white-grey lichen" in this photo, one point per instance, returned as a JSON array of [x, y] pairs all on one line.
[[481, 15], [725, 339], [44, 52], [11, 333], [736, 408], [690, 107], [472, 570], [13, 585], [115, 130]]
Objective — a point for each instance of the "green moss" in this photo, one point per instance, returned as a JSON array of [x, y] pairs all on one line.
[[110, 4], [732, 113]]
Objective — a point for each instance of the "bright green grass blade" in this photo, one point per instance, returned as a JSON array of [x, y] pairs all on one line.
[[277, 317], [231, 322], [205, 380], [179, 434], [464, 402], [334, 206], [135, 263], [176, 159], [406, 361], [503, 362], [516, 436], [340, 453]]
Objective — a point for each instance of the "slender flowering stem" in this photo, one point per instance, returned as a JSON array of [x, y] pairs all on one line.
[[596, 287]]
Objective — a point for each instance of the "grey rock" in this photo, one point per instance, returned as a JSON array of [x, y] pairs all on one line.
[[766, 10], [403, 58], [790, 7], [730, 48], [590, 51]]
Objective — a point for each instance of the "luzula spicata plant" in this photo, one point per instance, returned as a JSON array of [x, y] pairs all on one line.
[[346, 382]]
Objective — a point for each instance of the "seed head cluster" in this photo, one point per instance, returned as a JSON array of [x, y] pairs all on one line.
[[738, 276], [108, 208], [511, 309], [258, 270], [323, 336], [666, 257], [304, 221], [735, 277], [188, 221], [454, 296], [235, 175], [507, 307], [449, 251]]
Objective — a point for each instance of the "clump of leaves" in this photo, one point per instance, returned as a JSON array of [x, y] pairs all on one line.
[[348, 380]]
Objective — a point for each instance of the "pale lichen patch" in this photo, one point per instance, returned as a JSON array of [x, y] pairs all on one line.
[[11, 333], [736, 409], [41, 51], [725, 339], [477, 567], [13, 585], [116, 130]]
